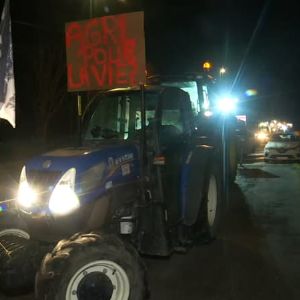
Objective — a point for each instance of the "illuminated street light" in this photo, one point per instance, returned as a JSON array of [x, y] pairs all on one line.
[[207, 66], [222, 71]]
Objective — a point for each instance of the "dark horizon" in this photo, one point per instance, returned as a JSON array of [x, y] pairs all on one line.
[[256, 40]]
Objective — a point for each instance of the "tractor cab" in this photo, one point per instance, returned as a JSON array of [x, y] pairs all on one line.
[[170, 142], [173, 157]]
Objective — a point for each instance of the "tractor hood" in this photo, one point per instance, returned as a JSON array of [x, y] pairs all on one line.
[[97, 168], [83, 158], [61, 186]]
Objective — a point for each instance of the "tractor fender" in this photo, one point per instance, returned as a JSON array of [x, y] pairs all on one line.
[[193, 174]]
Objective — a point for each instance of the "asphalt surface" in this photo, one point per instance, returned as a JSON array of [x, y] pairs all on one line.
[[257, 254]]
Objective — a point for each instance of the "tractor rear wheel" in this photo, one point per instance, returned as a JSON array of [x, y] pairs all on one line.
[[211, 207]]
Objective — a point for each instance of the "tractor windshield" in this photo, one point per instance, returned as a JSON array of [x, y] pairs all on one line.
[[118, 115]]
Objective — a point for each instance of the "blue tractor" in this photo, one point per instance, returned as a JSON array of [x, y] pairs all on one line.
[[144, 181]]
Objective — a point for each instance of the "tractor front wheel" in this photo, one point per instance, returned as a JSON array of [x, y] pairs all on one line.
[[92, 266]]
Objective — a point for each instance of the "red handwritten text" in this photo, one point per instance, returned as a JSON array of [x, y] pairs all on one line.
[[104, 53]]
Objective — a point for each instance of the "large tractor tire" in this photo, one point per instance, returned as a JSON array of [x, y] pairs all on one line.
[[212, 206], [92, 266], [19, 256]]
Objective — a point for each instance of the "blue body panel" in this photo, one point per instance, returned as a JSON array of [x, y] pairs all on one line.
[[120, 163], [120, 167]]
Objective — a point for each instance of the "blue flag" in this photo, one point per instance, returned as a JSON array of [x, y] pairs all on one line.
[[7, 81]]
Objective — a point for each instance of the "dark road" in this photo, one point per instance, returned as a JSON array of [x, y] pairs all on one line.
[[257, 255]]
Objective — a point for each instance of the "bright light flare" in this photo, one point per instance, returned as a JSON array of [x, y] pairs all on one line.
[[27, 196], [208, 113], [222, 71], [261, 136], [64, 199], [251, 92], [207, 66], [227, 105]]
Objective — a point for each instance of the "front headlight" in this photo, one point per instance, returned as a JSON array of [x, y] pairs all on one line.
[[27, 196], [262, 136], [64, 199]]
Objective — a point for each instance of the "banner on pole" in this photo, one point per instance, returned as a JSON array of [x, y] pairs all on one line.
[[106, 52], [7, 81]]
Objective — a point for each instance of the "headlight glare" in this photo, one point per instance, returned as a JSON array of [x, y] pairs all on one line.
[[64, 199], [227, 104], [261, 136], [26, 195]]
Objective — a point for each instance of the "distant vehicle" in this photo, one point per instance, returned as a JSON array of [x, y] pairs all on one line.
[[262, 137], [285, 146]]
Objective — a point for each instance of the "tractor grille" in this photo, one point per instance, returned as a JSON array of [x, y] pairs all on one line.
[[42, 180], [10, 244]]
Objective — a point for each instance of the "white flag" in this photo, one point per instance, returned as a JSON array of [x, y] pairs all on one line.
[[7, 81]]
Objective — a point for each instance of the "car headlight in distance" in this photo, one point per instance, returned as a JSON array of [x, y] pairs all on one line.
[[262, 136], [27, 196], [63, 199]]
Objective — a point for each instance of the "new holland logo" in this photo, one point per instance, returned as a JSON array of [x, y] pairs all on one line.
[[46, 164]]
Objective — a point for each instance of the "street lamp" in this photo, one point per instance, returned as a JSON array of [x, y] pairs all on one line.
[[207, 66], [222, 71]]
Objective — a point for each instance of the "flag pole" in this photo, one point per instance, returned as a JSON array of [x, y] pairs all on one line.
[[79, 115]]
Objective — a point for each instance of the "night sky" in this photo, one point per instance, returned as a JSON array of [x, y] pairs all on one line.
[[257, 41]]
